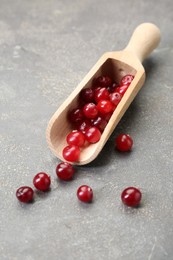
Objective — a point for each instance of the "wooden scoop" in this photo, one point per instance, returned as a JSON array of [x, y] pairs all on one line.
[[116, 65]]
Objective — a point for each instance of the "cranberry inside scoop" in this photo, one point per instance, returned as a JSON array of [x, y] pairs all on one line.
[[85, 193], [71, 153], [131, 196], [42, 181], [90, 110], [126, 80], [76, 115], [103, 81], [75, 138], [25, 194], [92, 134]]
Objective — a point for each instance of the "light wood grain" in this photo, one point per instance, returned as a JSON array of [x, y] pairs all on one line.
[[114, 64]]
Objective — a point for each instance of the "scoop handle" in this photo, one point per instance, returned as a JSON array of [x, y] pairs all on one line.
[[144, 40]]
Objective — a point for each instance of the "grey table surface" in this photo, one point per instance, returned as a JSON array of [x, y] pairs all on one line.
[[46, 48]]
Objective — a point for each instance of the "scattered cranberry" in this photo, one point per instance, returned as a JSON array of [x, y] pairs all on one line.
[[42, 181], [85, 193], [87, 95], [115, 98], [99, 122], [122, 89], [24, 194], [126, 80], [75, 138], [76, 115], [90, 110], [131, 196], [71, 153], [104, 106], [103, 81], [101, 94], [112, 88], [65, 171], [92, 134], [124, 143], [81, 126]]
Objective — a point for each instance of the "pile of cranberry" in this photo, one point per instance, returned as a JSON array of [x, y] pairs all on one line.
[[95, 107]]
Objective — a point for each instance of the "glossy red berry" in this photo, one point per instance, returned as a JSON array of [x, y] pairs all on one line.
[[85, 193], [71, 153], [75, 138], [115, 98], [103, 81], [112, 88], [101, 94], [90, 110], [92, 134], [104, 106], [81, 126], [126, 80], [65, 171], [25, 194], [131, 196], [87, 95], [100, 123], [42, 181], [122, 89], [76, 115], [124, 143]]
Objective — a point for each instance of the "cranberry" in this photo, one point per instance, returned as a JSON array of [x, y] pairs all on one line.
[[112, 88], [126, 80], [92, 134], [24, 194], [81, 126], [87, 95], [100, 94], [100, 123], [71, 153], [90, 110], [115, 98], [131, 196], [107, 116], [42, 181], [65, 171], [104, 106], [85, 193], [76, 115], [122, 89], [103, 81], [75, 138], [124, 143]]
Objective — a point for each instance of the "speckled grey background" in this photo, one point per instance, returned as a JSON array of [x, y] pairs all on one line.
[[46, 47]]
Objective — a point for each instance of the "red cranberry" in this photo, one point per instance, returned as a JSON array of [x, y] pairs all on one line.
[[90, 110], [24, 194], [76, 115], [124, 143], [126, 80], [81, 126], [131, 196], [104, 106], [71, 153], [100, 123], [122, 89], [103, 81], [87, 95], [65, 171], [115, 98], [101, 94], [42, 181], [112, 88], [75, 138], [92, 134], [107, 116], [85, 193]]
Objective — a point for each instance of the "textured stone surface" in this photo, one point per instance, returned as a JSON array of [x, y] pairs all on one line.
[[46, 47]]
